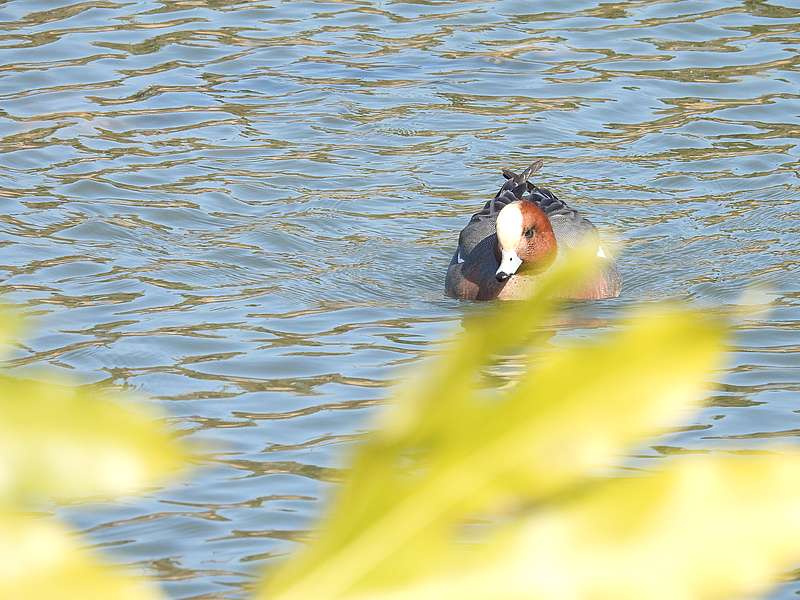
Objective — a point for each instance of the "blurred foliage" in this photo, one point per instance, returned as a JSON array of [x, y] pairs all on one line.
[[65, 443], [41, 560], [460, 492], [59, 442]]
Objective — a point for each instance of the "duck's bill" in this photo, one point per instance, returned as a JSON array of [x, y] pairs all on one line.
[[509, 264]]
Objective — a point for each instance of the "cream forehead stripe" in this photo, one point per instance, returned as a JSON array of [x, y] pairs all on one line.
[[509, 225]]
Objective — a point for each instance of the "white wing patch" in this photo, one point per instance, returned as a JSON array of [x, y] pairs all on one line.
[[459, 260], [600, 252]]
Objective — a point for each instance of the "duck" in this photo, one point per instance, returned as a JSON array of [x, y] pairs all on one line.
[[519, 234]]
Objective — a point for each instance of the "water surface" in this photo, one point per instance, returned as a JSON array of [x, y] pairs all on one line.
[[245, 210]]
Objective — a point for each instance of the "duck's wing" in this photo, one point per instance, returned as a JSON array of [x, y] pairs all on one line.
[[570, 227]]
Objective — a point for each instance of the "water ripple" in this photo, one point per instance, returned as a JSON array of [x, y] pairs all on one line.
[[245, 209]]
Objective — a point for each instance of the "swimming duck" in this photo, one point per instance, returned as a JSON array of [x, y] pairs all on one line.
[[518, 235]]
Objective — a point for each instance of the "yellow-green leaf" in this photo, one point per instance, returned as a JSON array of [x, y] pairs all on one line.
[[61, 442], [426, 400], [399, 513], [42, 561], [10, 326], [706, 528]]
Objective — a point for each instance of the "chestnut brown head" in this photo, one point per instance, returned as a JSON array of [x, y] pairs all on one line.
[[525, 239]]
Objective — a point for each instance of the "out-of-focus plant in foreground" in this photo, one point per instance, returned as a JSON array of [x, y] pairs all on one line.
[[59, 442], [458, 493]]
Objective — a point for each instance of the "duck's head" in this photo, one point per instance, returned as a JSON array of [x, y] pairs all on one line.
[[525, 239]]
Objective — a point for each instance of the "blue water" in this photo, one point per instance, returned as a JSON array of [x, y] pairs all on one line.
[[244, 211]]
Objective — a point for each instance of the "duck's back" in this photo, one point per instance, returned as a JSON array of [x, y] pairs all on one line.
[[569, 227], [571, 230]]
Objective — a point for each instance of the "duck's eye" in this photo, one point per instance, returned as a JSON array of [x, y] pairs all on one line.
[[529, 232]]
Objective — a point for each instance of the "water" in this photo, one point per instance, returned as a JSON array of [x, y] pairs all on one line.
[[245, 211]]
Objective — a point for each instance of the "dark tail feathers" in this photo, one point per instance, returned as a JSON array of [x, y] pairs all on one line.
[[525, 175], [518, 184]]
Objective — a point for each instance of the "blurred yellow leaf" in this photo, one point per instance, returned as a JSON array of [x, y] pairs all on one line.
[[447, 453], [10, 327], [424, 404], [703, 529], [66, 443], [60, 442], [42, 561]]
